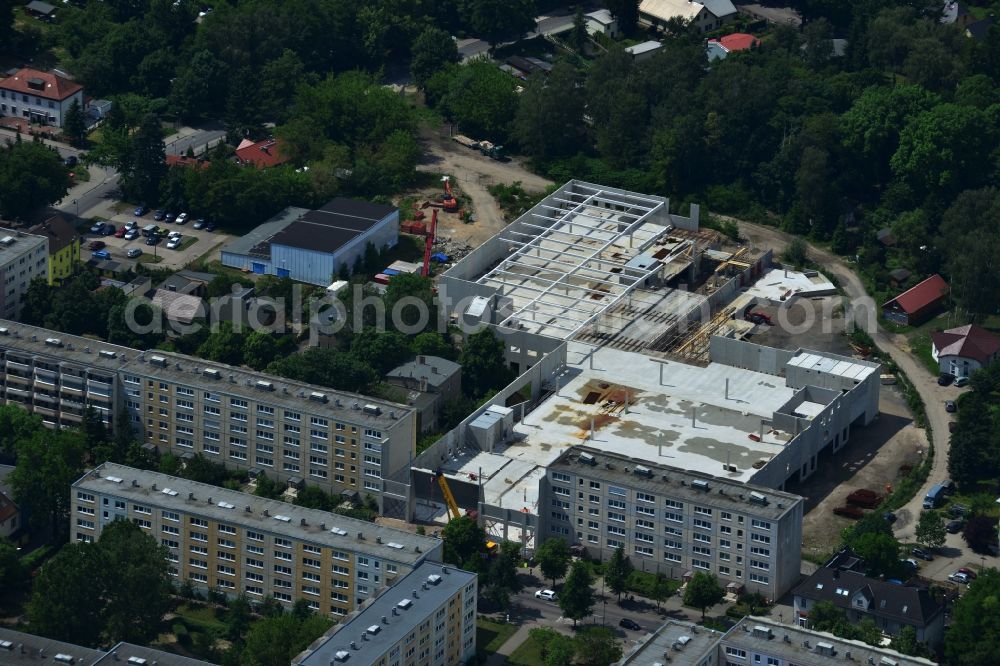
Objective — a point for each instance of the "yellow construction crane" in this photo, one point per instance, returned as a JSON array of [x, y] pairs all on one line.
[[449, 499]]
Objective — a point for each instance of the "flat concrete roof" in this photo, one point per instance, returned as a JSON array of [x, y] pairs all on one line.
[[31, 644], [393, 614], [265, 232], [686, 643], [779, 284], [71, 348], [265, 515], [832, 364], [657, 424]]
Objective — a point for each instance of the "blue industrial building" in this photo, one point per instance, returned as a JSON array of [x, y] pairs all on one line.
[[312, 245]]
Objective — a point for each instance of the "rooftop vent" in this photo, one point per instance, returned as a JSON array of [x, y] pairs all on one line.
[[107, 353], [374, 629], [434, 579], [264, 386], [372, 409], [760, 631], [643, 471], [700, 484], [393, 544], [759, 498], [282, 518], [53, 342], [65, 658], [341, 655], [4, 331], [404, 604], [7, 240], [338, 531], [316, 396], [588, 459], [114, 479], [212, 372], [158, 360], [6, 645], [139, 661]]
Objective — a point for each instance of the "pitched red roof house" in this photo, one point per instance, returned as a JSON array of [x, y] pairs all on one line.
[[917, 304], [738, 41], [970, 342], [40, 84], [261, 154]]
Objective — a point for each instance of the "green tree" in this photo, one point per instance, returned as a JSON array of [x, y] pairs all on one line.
[[557, 649], [905, 642], [224, 345], [980, 533], [974, 634], [626, 13], [32, 175], [74, 125], [267, 487], [660, 589], [480, 98], [824, 616], [482, 361], [501, 575], [797, 253], [431, 343], [880, 553], [578, 34], [314, 497], [930, 530], [67, 595], [145, 164], [497, 20], [327, 367], [597, 646], [432, 50], [617, 572], [15, 426], [703, 591], [136, 583], [464, 541], [382, 350], [47, 465], [577, 597], [553, 558], [275, 641], [238, 618], [12, 573], [549, 120], [259, 349]]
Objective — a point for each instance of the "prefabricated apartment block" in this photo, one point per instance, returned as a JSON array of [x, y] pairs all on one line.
[[294, 432], [428, 618], [241, 543]]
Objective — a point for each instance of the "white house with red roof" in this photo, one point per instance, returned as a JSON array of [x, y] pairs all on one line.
[[719, 48], [41, 98], [962, 350]]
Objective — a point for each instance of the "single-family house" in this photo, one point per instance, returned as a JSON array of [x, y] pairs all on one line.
[[179, 308], [898, 276], [918, 304], [261, 154], [890, 605], [40, 10], [719, 48], [41, 97], [643, 51], [188, 282], [965, 349], [602, 22], [706, 15], [64, 247], [430, 381]]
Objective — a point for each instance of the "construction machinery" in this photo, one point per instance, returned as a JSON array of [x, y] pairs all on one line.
[[491, 150], [429, 244], [453, 510], [448, 202]]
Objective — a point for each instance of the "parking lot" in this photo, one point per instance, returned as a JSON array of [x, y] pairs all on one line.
[[158, 255]]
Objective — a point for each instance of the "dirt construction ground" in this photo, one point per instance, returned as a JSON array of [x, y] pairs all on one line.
[[472, 173]]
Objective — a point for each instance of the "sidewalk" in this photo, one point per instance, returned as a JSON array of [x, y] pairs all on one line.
[[499, 657]]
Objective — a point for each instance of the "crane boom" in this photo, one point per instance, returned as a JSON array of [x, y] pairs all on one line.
[[449, 499]]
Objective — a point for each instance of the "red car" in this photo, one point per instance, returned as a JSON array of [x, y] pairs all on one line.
[[968, 572], [121, 232], [96, 245]]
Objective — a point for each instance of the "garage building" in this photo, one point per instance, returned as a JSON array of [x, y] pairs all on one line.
[[312, 245]]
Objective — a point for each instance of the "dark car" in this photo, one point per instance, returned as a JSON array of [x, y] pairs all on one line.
[[199, 223], [140, 211], [152, 240], [169, 217], [954, 526], [922, 554], [71, 161], [949, 406], [210, 226], [96, 245], [945, 379], [958, 510], [962, 381], [109, 229], [629, 624], [159, 215]]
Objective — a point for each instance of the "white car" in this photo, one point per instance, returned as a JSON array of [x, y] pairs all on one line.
[[182, 218], [174, 243], [131, 225], [959, 577], [547, 595]]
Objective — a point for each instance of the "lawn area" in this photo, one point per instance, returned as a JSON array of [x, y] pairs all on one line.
[[529, 653], [490, 636], [199, 617], [81, 174], [147, 258]]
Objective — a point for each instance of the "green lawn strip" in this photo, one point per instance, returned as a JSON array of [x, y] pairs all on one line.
[[490, 636]]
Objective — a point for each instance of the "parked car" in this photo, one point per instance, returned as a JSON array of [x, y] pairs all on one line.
[[121, 232], [109, 229], [962, 381], [911, 563], [133, 253], [958, 577], [968, 572], [152, 240], [945, 378], [547, 595], [173, 243], [210, 226], [949, 486], [954, 526], [140, 211], [922, 554], [182, 218], [100, 254], [199, 223], [949, 406], [71, 161], [131, 224], [131, 234], [159, 216], [169, 217], [629, 624], [97, 228], [958, 510], [96, 245]]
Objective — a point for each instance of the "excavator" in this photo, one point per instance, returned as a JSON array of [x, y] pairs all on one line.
[[448, 201], [453, 510], [429, 243]]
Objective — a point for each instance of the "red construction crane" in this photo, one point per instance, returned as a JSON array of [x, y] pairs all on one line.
[[429, 243], [449, 202]]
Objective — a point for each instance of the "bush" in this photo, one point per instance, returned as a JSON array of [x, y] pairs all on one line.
[[180, 630]]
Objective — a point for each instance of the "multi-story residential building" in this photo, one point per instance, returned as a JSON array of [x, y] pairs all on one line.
[[293, 431], [64, 247], [674, 521], [17, 647], [427, 618], [23, 257], [40, 97], [59, 376], [241, 543]]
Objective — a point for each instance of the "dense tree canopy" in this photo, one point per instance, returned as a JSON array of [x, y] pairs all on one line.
[[974, 634], [31, 175]]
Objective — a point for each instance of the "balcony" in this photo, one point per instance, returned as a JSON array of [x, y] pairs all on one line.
[[14, 365], [18, 379]]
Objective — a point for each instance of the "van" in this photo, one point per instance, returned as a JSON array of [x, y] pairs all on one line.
[[934, 498], [150, 230], [100, 254]]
